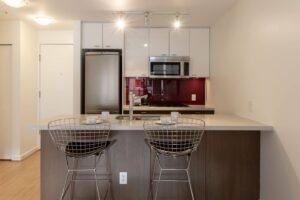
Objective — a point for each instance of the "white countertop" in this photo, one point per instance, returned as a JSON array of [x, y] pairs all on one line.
[[190, 107], [213, 122]]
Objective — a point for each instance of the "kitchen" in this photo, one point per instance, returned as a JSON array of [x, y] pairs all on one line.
[[220, 65]]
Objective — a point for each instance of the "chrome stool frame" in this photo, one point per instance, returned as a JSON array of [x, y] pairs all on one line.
[[180, 139], [78, 141]]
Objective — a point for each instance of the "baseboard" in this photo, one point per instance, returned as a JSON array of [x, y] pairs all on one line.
[[26, 154]]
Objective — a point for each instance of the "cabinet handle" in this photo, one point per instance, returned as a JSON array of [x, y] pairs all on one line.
[[174, 54], [107, 46], [164, 54], [96, 45]]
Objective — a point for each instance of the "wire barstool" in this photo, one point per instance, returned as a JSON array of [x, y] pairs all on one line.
[[77, 141], [180, 139]]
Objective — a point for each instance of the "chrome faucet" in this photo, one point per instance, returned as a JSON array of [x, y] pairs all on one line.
[[131, 102]]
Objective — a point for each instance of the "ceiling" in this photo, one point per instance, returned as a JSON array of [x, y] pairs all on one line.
[[200, 12]]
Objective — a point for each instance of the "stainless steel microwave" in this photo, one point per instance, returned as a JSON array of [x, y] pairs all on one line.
[[169, 67]]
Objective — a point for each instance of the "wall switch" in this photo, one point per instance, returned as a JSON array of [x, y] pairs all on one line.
[[194, 97], [123, 178]]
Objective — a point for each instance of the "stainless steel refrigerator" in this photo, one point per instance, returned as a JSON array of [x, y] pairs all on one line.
[[101, 81]]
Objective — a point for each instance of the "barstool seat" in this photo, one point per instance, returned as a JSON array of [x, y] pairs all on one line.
[[177, 148], [84, 148]]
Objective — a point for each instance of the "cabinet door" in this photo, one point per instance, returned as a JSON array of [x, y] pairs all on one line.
[[91, 35], [136, 52], [113, 37], [199, 52], [179, 42], [159, 42]]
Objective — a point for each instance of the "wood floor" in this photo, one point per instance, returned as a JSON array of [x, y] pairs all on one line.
[[20, 180]]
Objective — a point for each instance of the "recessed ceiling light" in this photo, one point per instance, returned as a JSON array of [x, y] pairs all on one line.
[[43, 20], [16, 3]]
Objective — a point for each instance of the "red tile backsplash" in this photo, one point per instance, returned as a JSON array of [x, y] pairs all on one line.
[[167, 90]]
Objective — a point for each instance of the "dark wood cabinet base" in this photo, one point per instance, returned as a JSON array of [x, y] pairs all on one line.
[[225, 167]]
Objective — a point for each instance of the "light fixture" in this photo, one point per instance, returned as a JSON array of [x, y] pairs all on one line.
[[177, 22], [16, 3], [147, 18], [120, 23], [43, 20]]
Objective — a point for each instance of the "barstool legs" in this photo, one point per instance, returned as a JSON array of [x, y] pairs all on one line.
[[108, 169], [66, 186], [189, 158], [160, 174], [157, 186], [97, 186]]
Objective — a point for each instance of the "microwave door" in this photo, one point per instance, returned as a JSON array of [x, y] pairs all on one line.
[[173, 69], [158, 69], [165, 69]]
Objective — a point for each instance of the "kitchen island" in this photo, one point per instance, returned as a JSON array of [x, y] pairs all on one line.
[[225, 167]]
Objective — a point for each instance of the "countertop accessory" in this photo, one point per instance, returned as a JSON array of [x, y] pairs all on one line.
[[97, 121], [105, 115]]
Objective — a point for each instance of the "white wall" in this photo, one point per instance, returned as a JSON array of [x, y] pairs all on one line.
[[28, 89], [255, 68], [55, 37], [9, 34], [24, 85], [77, 66]]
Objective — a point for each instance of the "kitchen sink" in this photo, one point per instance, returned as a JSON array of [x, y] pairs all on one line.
[[138, 117]]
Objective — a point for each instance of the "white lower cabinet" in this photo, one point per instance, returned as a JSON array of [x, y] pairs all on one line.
[[199, 52], [136, 52]]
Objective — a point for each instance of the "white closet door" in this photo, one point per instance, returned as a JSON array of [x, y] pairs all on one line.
[[5, 101], [56, 80]]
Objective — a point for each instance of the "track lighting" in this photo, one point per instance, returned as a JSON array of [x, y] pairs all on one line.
[[177, 22], [16, 3], [147, 18], [120, 23]]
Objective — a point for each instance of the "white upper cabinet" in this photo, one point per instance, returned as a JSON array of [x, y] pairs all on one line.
[[179, 42], [136, 52], [159, 42], [113, 37], [199, 52], [91, 35]]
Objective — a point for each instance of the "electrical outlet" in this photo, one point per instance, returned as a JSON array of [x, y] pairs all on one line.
[[123, 178], [194, 97]]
